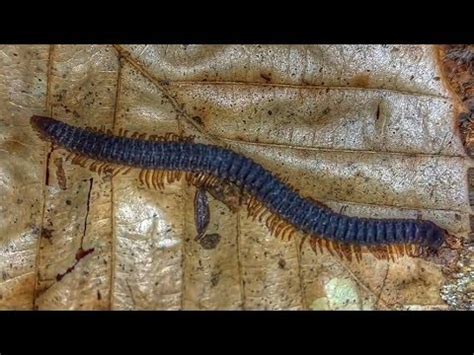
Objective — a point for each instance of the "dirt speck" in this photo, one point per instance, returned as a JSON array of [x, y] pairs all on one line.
[[210, 241], [281, 263], [215, 277], [47, 233]]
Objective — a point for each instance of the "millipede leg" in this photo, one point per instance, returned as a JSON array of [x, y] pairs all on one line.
[[374, 250], [261, 216], [102, 168], [346, 251], [274, 222], [277, 229], [149, 176], [93, 166], [259, 213], [151, 179], [320, 243], [251, 203], [169, 176], [145, 178], [313, 245], [158, 180], [269, 220], [291, 233], [110, 169], [391, 252], [401, 249], [163, 174], [302, 242], [141, 176], [126, 170], [284, 231], [161, 178], [329, 246], [357, 252], [154, 179], [337, 248]]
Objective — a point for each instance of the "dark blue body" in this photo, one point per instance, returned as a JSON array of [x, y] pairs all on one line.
[[227, 165]]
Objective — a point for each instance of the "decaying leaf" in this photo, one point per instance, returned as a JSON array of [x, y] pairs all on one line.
[[369, 130]]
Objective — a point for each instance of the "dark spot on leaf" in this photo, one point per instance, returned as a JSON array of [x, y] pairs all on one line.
[[215, 276], [266, 77], [210, 241], [282, 263], [81, 253], [201, 212], [197, 119], [46, 233]]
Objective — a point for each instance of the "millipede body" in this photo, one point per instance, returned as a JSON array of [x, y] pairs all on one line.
[[283, 208]]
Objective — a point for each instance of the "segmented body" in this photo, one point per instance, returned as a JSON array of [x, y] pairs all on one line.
[[303, 214]]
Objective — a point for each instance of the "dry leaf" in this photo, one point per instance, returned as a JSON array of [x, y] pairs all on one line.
[[369, 130]]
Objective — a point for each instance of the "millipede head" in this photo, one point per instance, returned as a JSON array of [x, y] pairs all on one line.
[[430, 234]]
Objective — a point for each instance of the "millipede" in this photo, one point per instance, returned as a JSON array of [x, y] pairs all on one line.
[[267, 197]]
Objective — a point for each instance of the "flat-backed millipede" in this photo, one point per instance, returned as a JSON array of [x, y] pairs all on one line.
[[268, 198]]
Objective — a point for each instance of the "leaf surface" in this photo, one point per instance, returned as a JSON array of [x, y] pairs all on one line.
[[368, 130]]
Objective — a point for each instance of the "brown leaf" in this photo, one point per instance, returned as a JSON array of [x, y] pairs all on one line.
[[365, 129]]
